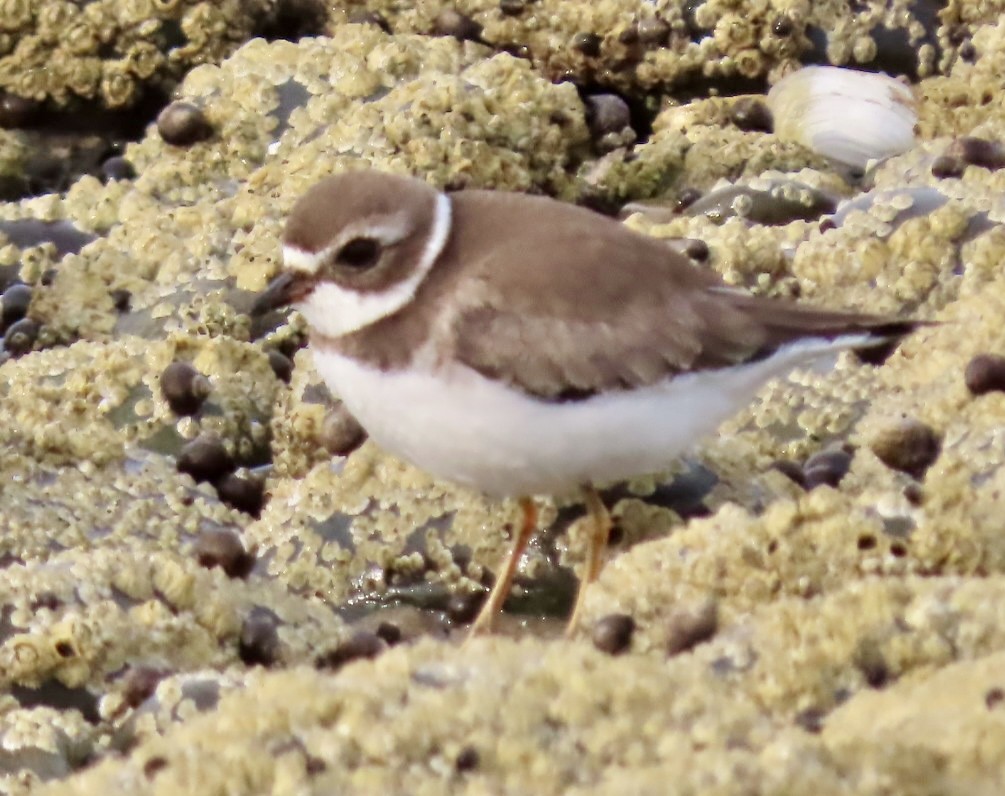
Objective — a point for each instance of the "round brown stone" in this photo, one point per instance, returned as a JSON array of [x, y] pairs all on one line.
[[183, 124], [613, 633]]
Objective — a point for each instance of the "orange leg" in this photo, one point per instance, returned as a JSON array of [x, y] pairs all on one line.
[[500, 591], [601, 521]]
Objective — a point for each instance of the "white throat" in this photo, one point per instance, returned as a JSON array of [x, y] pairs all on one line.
[[334, 311]]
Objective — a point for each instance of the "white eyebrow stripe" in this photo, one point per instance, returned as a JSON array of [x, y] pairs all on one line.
[[301, 260]]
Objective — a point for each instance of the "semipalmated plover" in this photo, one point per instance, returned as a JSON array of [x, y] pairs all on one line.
[[522, 346]]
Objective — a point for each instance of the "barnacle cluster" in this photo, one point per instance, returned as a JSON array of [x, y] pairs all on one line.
[[637, 47], [109, 52]]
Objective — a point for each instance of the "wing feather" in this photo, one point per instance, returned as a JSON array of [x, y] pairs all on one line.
[[561, 311]]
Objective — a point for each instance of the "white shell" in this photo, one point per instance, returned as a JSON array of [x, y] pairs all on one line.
[[849, 116]]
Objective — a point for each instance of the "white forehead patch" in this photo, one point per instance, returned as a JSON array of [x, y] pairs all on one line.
[[299, 260], [334, 311]]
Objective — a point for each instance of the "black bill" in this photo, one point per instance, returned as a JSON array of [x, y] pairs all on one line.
[[287, 288]]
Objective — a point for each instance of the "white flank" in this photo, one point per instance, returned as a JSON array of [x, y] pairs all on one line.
[[461, 426], [850, 116], [334, 311]]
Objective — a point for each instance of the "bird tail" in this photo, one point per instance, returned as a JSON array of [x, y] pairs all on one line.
[[786, 323]]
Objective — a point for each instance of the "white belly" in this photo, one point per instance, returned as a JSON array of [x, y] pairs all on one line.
[[461, 426]]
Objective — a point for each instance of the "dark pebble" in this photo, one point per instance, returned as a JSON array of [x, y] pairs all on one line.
[[607, 113], [689, 628], [48, 277], [17, 111], [20, 337], [117, 168], [811, 720], [341, 433], [512, 8], [259, 643], [184, 388], [613, 633], [783, 26], [223, 548], [696, 249], [244, 492], [909, 446], [205, 458], [985, 373], [826, 467], [121, 299], [947, 166], [389, 632], [454, 23], [153, 766], [968, 52], [361, 644], [314, 765], [15, 302], [653, 32], [914, 494], [587, 43], [183, 124], [139, 684], [752, 115], [281, 365], [463, 608], [467, 759], [978, 152], [993, 697]]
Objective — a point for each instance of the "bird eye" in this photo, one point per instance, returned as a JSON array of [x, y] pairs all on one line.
[[359, 253]]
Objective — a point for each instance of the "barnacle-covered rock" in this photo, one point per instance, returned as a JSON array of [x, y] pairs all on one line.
[[155, 628], [641, 47], [109, 53]]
